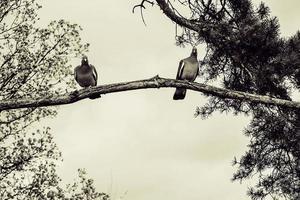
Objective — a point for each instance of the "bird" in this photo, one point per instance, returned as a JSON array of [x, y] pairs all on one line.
[[188, 70], [86, 75]]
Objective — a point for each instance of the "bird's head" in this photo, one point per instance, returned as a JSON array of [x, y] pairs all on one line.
[[84, 60], [194, 52]]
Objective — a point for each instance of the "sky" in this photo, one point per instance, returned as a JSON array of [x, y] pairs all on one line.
[[142, 144]]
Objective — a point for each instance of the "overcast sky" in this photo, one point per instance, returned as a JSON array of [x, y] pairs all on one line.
[[142, 145]]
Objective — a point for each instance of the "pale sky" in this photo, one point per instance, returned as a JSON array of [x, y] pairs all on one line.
[[142, 145]]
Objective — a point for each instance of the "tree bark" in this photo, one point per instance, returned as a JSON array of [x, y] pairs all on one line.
[[155, 82], [198, 26], [164, 6]]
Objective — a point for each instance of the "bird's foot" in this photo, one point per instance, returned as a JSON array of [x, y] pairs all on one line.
[[74, 94]]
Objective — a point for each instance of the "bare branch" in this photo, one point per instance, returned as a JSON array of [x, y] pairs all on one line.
[[155, 82], [141, 6]]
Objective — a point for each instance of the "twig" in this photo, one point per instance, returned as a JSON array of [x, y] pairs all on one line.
[[141, 6]]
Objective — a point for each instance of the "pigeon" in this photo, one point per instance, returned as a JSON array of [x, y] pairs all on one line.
[[86, 75], [188, 70]]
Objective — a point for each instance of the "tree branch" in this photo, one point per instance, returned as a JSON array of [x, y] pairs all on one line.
[[164, 6], [198, 25], [155, 82]]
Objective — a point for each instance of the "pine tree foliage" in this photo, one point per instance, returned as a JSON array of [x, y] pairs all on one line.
[[245, 52]]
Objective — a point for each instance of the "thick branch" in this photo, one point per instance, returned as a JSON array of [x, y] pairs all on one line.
[[196, 25], [164, 6], [155, 82]]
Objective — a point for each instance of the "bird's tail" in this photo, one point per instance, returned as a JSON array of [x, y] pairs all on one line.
[[95, 96], [179, 94]]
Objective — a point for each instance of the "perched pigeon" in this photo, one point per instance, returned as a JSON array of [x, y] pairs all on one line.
[[86, 75], [188, 70]]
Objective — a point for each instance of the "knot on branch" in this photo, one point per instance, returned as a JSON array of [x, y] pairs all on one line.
[[156, 79]]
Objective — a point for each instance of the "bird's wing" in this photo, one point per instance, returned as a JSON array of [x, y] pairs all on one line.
[[75, 72], [198, 71], [95, 74], [180, 70]]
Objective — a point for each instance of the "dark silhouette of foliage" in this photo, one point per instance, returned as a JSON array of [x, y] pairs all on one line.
[[245, 52], [33, 64]]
